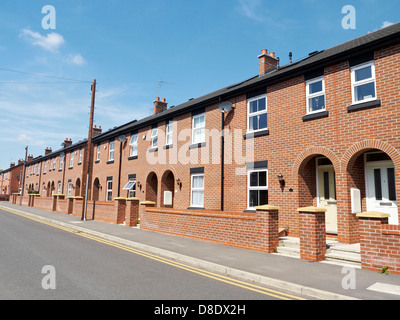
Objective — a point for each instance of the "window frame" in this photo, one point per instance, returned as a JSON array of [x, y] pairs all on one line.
[[133, 145], [169, 131], [256, 188], [71, 160], [314, 95], [203, 127], [108, 190], [257, 113], [154, 137], [111, 151], [98, 152], [355, 84], [192, 189]]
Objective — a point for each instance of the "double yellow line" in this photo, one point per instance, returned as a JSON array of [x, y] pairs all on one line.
[[211, 275]]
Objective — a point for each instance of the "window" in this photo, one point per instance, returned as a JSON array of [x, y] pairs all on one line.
[[257, 188], [257, 113], [315, 95], [199, 131], [98, 153], [54, 164], [59, 187], [61, 161], [134, 145], [197, 190], [45, 166], [154, 137], [363, 83], [109, 189], [80, 155], [69, 188], [131, 187], [44, 189], [168, 138], [71, 162], [111, 151]]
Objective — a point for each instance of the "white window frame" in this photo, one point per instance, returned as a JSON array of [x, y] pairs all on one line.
[[192, 189], [111, 151], [169, 132], [71, 161], [130, 187], [133, 145], [61, 162], [59, 188], [258, 113], [355, 84], [109, 191], [80, 155], [315, 95], [45, 167], [154, 137], [98, 152], [201, 128], [258, 188], [44, 189], [54, 164], [69, 188]]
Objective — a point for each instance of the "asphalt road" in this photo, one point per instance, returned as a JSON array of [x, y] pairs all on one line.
[[42, 262]]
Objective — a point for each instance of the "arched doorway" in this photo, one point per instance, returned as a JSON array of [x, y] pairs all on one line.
[[371, 177], [96, 189], [151, 187], [317, 186], [167, 189], [78, 187]]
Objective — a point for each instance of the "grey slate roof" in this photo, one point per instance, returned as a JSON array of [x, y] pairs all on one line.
[[344, 51]]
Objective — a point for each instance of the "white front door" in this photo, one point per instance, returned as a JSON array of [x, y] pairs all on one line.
[[327, 196], [381, 189]]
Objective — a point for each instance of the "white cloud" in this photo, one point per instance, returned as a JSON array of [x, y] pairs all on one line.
[[251, 9], [386, 24], [50, 42], [76, 59]]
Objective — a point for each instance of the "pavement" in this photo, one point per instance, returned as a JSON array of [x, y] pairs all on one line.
[[320, 281]]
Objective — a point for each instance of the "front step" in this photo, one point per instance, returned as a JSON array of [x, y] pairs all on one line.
[[337, 253]]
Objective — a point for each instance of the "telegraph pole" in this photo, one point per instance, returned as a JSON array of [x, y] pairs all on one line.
[[88, 161], [23, 176]]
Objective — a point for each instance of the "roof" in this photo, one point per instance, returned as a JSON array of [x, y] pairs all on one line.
[[371, 41]]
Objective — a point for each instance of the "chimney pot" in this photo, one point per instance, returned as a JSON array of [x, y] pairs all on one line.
[[159, 106], [267, 62]]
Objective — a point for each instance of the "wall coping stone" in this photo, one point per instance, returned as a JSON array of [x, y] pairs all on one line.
[[311, 209], [267, 207], [373, 214]]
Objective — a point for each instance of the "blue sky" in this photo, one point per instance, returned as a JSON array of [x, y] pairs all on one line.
[[194, 47]]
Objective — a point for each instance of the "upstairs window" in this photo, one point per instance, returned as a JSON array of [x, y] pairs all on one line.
[[168, 139], [315, 95], [154, 137], [111, 151], [257, 113], [363, 82], [134, 145], [98, 153], [198, 130], [71, 162]]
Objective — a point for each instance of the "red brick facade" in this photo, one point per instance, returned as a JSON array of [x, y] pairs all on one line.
[[288, 147]]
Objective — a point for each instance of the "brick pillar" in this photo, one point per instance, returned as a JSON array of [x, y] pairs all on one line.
[[268, 222], [371, 241], [120, 207], [54, 206], [312, 234], [70, 205], [132, 212]]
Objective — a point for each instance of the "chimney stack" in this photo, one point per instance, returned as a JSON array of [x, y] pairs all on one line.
[[30, 157], [12, 164], [267, 62], [159, 106], [47, 151], [20, 161], [67, 142], [96, 130]]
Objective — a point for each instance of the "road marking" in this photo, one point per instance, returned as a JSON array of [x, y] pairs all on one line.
[[218, 277], [385, 288]]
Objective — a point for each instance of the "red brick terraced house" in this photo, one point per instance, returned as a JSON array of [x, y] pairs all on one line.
[[322, 132]]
